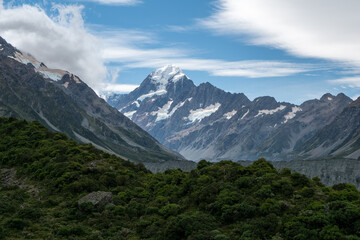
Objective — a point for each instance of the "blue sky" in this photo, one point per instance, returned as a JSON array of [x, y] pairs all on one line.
[[255, 47]]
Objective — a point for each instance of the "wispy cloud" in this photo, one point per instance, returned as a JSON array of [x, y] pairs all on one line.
[[216, 67], [326, 29], [352, 82], [115, 2], [181, 29]]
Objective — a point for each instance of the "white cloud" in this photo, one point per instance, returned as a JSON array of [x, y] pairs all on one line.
[[60, 42], [353, 82], [119, 88], [327, 29], [355, 97], [115, 2]]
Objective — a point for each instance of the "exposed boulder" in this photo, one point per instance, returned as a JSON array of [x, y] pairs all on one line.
[[98, 199], [185, 166], [8, 177]]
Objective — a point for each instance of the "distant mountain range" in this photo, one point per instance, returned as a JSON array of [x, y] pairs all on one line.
[[199, 122], [62, 102], [204, 122]]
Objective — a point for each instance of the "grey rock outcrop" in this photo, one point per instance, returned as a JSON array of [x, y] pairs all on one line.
[[185, 166], [98, 199], [8, 177]]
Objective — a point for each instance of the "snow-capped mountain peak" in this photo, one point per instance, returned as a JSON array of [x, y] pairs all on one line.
[[204, 122], [162, 76]]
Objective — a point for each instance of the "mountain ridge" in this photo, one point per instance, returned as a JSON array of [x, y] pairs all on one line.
[[205, 122]]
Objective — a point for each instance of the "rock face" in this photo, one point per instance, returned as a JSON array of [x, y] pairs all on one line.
[[340, 138], [62, 102], [204, 122], [98, 199]]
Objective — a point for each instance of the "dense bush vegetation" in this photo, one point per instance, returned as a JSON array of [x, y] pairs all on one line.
[[215, 201]]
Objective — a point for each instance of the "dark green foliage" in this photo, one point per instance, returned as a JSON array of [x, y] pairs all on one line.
[[30, 212], [215, 201], [191, 223], [16, 223], [72, 230]]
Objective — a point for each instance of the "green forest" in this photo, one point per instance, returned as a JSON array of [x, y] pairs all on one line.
[[215, 201]]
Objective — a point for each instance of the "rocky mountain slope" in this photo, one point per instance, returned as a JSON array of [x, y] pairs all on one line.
[[339, 138], [204, 122], [62, 102]]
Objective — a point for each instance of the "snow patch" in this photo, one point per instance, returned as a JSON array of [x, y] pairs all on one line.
[[201, 113], [130, 114], [292, 114], [66, 84], [178, 77], [179, 105], [270, 111], [151, 94], [245, 114], [25, 59], [76, 79], [163, 113], [330, 98], [136, 103], [51, 75], [229, 115], [162, 76]]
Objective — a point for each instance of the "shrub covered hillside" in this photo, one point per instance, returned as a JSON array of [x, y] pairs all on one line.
[[214, 201]]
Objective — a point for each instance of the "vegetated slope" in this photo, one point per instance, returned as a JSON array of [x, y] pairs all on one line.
[[215, 201], [330, 170], [205, 122], [62, 102]]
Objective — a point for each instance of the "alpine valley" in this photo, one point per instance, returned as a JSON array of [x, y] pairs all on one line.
[[205, 122], [199, 122]]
